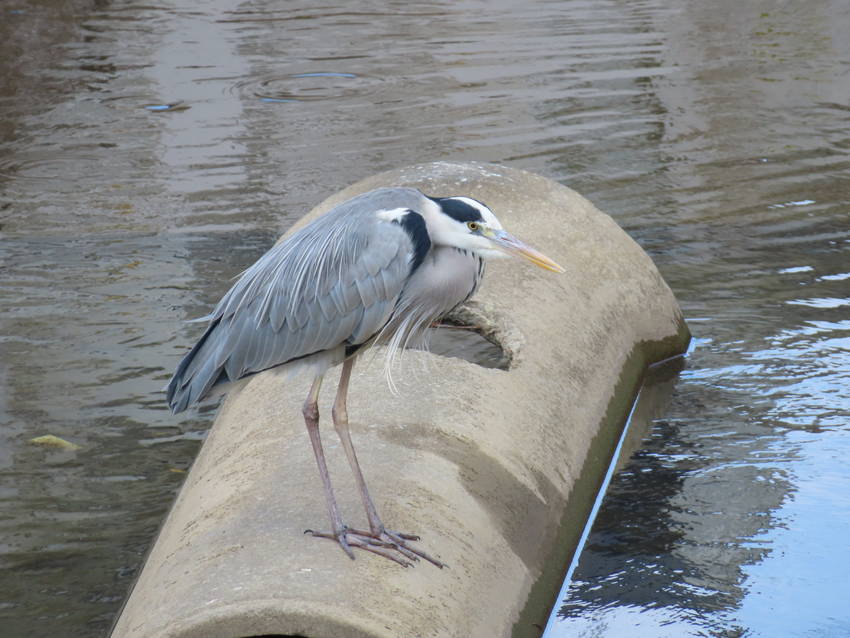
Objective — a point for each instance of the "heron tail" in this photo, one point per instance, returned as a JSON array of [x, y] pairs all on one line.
[[195, 376]]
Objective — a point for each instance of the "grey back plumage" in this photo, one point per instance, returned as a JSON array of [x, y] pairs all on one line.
[[335, 283]]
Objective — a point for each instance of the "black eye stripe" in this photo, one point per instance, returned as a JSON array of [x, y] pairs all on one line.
[[459, 210]]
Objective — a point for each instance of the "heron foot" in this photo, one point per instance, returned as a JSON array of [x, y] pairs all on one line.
[[391, 545]]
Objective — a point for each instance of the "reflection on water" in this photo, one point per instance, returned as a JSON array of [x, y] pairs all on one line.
[[149, 152], [723, 523]]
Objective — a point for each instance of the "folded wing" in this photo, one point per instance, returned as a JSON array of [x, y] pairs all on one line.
[[333, 283]]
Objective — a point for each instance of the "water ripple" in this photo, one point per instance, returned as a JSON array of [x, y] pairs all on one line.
[[307, 86]]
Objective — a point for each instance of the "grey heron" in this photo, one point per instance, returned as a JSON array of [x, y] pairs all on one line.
[[380, 267]]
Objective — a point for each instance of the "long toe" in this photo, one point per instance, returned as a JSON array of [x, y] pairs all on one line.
[[399, 540], [340, 538], [391, 545]]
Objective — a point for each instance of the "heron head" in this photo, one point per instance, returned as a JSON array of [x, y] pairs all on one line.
[[468, 224]]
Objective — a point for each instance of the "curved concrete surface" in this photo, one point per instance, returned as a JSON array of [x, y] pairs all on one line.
[[483, 463]]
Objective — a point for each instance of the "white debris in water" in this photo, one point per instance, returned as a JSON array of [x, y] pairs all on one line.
[[802, 202]]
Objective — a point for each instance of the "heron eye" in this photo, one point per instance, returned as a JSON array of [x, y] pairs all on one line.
[[473, 226]]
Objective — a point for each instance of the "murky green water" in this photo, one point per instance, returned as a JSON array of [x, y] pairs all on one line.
[[149, 152]]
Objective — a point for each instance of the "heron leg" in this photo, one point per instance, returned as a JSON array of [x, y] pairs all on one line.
[[340, 418], [311, 419], [340, 533], [377, 531]]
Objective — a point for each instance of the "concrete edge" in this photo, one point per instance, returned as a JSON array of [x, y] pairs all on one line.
[[600, 454]]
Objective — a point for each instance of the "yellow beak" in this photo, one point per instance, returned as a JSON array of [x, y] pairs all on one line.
[[509, 244]]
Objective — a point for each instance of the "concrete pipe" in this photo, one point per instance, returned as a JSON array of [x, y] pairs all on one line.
[[495, 469]]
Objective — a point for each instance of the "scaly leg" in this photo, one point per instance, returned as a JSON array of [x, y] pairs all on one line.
[[311, 419], [377, 530], [340, 532]]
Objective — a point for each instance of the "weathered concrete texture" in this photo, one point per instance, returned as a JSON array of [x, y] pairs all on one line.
[[480, 462]]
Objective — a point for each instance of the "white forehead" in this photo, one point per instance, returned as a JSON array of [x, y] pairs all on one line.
[[486, 214]]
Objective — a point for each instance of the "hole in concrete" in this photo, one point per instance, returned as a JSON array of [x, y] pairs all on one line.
[[467, 342], [479, 333]]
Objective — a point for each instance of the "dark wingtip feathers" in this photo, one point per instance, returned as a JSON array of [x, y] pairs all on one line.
[[180, 392]]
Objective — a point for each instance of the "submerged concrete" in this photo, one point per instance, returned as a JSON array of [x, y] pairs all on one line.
[[483, 463]]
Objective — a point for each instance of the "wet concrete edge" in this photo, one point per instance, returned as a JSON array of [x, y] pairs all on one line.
[[544, 593]]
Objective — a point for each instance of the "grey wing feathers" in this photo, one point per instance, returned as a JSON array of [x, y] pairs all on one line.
[[336, 281]]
